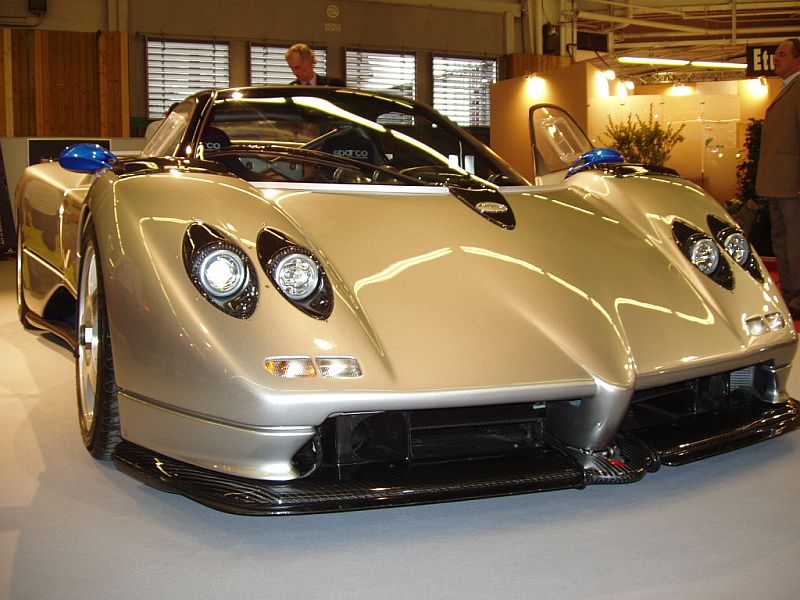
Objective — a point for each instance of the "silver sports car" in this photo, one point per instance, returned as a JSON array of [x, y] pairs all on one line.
[[317, 299]]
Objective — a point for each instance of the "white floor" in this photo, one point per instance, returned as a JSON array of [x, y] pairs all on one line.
[[71, 527]]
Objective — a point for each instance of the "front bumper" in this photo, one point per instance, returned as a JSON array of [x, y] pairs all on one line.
[[645, 443]]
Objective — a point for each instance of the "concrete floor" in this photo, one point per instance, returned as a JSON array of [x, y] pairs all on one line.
[[75, 528]]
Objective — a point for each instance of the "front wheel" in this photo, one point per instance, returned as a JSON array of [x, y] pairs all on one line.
[[98, 411]]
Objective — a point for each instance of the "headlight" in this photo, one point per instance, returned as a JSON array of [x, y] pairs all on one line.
[[737, 247], [704, 254], [296, 272], [222, 272], [297, 276]]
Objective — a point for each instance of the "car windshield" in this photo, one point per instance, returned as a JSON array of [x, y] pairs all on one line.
[[327, 135]]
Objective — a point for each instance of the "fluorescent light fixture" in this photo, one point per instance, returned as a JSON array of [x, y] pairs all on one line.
[[675, 62], [652, 60], [711, 64]]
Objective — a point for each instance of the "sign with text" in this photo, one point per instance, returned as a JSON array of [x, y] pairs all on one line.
[[761, 60]]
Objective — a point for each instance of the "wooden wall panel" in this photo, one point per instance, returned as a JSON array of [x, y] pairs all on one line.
[[64, 84], [67, 90], [24, 94], [114, 85], [6, 87]]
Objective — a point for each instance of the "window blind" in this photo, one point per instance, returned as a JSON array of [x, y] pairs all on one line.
[[461, 88], [176, 70], [382, 72]]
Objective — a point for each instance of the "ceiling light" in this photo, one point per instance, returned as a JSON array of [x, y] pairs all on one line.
[[535, 86], [652, 60], [680, 89], [710, 64]]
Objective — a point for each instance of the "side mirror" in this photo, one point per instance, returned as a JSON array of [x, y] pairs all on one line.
[[593, 157], [86, 158]]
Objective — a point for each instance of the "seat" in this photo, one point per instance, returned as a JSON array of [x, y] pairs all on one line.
[[352, 143], [216, 140]]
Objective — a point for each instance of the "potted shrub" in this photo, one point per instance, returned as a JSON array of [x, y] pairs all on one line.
[[643, 141]]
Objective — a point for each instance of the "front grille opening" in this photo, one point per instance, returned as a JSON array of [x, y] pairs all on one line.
[[429, 436], [723, 392], [348, 443]]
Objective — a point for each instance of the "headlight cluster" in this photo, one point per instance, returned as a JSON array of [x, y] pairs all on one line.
[[296, 273], [220, 270], [708, 252], [226, 277]]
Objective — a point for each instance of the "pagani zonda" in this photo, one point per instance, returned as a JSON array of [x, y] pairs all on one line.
[[317, 299]]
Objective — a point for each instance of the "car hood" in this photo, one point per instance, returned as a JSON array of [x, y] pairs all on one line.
[[576, 291]]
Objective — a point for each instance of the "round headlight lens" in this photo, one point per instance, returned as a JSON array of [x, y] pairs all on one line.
[[222, 273], [704, 254], [297, 276], [737, 246]]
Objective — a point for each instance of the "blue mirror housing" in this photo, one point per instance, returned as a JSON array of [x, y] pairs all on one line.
[[595, 157], [86, 158]]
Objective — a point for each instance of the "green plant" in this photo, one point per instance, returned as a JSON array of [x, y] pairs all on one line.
[[747, 169], [643, 141], [748, 208]]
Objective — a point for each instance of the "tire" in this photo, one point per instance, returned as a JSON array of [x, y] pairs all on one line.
[[22, 307], [98, 409]]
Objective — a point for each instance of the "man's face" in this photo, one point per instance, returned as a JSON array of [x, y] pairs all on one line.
[[786, 62], [302, 69]]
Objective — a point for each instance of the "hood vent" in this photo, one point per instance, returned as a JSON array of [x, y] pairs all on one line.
[[487, 202]]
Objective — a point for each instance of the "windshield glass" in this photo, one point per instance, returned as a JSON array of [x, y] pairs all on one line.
[[343, 136]]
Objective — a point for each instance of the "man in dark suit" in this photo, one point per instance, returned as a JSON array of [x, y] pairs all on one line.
[[778, 178], [301, 61]]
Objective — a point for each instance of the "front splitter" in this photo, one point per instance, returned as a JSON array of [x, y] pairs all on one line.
[[549, 468]]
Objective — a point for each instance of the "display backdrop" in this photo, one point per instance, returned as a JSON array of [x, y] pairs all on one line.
[[8, 237]]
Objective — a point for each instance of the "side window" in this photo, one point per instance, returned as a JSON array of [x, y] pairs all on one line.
[[557, 139], [169, 134]]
